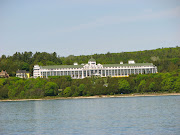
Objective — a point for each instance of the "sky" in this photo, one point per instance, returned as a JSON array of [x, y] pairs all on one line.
[[86, 27]]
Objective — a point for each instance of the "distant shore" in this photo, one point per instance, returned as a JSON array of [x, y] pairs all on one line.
[[97, 96]]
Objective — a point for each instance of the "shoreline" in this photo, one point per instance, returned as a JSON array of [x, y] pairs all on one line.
[[97, 96]]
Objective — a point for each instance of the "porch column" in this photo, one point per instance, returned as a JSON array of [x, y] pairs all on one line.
[[82, 76]]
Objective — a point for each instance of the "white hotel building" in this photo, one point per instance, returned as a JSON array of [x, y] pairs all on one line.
[[91, 68]]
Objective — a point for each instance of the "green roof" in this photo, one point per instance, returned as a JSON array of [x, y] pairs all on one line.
[[120, 65], [92, 59], [104, 65], [61, 66]]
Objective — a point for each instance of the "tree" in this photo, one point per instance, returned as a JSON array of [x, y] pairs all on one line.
[[25, 67], [4, 92], [141, 86], [152, 86], [67, 92], [81, 89], [124, 86], [51, 89], [168, 84], [177, 85]]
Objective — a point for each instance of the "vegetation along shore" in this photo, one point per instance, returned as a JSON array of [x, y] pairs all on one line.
[[97, 96], [167, 80]]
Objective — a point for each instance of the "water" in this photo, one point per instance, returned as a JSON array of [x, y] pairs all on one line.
[[105, 116]]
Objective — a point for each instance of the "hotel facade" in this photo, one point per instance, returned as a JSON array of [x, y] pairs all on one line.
[[92, 69]]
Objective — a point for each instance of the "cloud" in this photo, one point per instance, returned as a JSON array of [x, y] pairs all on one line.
[[109, 20]]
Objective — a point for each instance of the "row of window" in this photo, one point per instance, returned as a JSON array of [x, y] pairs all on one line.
[[86, 73], [97, 68]]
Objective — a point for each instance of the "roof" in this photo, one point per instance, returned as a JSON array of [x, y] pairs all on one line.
[[61, 66], [22, 71], [104, 65], [120, 65], [92, 60], [3, 71]]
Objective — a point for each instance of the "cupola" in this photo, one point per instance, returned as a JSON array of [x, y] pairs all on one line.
[[92, 61]]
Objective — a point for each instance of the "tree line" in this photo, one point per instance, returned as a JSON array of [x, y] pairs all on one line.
[[166, 59], [65, 86], [167, 80]]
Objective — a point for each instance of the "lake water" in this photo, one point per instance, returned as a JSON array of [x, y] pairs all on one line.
[[158, 115]]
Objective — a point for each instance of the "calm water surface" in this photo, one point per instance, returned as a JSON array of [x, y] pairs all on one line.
[[105, 116]]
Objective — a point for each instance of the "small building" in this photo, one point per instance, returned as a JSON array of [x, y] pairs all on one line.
[[22, 74], [4, 74], [75, 63], [121, 62], [131, 62]]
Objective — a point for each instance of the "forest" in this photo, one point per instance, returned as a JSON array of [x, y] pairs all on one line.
[[167, 80]]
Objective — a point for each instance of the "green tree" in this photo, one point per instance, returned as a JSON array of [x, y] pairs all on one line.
[[124, 86], [142, 86], [67, 92], [12, 92], [22, 94], [168, 84], [152, 86], [177, 85], [51, 89], [25, 67], [81, 89], [4, 91]]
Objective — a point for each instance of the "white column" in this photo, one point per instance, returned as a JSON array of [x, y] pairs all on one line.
[[82, 76], [105, 72]]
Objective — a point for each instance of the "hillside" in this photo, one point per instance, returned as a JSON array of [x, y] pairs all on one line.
[[166, 59]]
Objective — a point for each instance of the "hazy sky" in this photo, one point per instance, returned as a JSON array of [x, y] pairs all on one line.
[[84, 27]]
